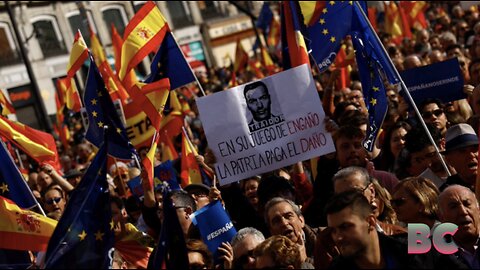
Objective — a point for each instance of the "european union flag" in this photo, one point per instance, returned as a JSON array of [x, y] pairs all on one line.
[[101, 112], [171, 250], [170, 63], [84, 235], [12, 185], [373, 91], [327, 32], [371, 43]]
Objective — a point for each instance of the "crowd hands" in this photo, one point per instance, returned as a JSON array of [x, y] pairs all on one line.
[[348, 209]]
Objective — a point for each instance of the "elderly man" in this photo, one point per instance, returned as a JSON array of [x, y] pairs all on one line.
[[243, 244], [285, 218], [461, 152], [459, 206]]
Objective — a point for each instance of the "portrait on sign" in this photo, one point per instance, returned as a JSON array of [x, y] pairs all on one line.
[[259, 106]]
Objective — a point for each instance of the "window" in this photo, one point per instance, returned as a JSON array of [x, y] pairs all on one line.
[[179, 13], [48, 36], [76, 23], [115, 15], [209, 9], [137, 5], [8, 51]]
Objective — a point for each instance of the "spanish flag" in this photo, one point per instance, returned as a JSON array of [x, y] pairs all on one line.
[[149, 161], [312, 10], [38, 145], [23, 229], [78, 55], [143, 34], [395, 23], [114, 87], [6, 107], [241, 58], [117, 43], [168, 149], [293, 43], [190, 172]]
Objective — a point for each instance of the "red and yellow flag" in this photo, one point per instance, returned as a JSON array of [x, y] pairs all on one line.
[[78, 55], [117, 43], [135, 247], [149, 161], [168, 149], [5, 105], [114, 87], [395, 23], [295, 41], [190, 172], [143, 34], [241, 58], [37, 144], [23, 229]]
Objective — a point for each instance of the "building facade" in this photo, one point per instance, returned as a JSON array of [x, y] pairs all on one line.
[[206, 31]]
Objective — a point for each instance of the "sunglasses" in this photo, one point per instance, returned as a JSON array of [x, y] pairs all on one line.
[[436, 112], [398, 202], [51, 201]]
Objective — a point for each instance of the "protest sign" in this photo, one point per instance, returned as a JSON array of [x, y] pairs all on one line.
[[161, 173], [265, 125], [441, 80], [214, 225]]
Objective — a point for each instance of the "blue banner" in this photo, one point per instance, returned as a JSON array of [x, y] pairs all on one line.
[[441, 80], [215, 226]]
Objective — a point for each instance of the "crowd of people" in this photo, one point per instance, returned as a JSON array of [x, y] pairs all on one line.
[[348, 209]]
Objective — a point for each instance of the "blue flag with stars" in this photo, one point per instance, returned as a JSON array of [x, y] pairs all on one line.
[[84, 236], [373, 91], [101, 112], [12, 185], [171, 250], [326, 34], [169, 62]]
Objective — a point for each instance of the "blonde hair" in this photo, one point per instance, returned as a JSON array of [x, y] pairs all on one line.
[[424, 191], [281, 250]]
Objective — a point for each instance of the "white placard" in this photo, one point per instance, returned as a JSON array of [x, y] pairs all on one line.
[[289, 125]]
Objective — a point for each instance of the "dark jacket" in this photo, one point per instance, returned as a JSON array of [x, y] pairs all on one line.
[[393, 251], [455, 180]]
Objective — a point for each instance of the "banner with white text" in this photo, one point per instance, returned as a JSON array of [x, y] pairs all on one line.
[[265, 125]]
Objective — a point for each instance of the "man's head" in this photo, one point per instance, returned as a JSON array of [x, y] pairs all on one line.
[[184, 205], [354, 178], [459, 206], [119, 213], [243, 244], [350, 217], [200, 193], [284, 217], [348, 142], [258, 100], [423, 154], [73, 176], [461, 151]]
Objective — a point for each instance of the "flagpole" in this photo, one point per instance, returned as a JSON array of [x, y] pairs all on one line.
[[191, 70], [404, 87]]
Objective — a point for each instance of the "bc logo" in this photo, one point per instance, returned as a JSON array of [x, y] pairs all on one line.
[[419, 238]]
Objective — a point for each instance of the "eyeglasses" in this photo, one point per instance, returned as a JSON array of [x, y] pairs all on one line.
[[436, 112], [51, 201], [398, 202], [242, 260]]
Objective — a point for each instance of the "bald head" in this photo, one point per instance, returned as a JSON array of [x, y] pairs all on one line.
[[458, 205]]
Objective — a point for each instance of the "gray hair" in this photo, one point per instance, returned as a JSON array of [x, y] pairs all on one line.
[[241, 234], [456, 186], [348, 171], [276, 200]]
